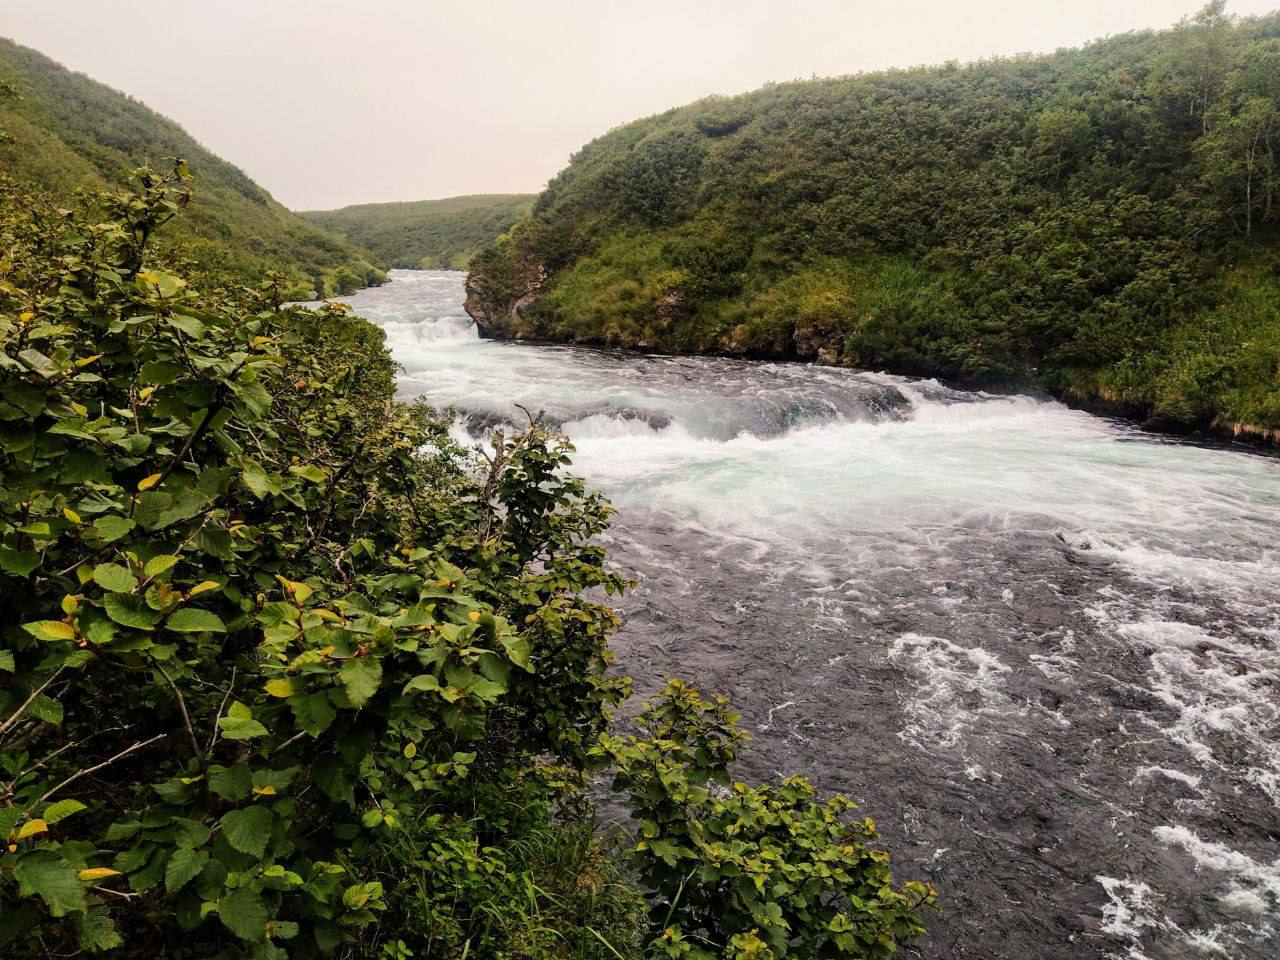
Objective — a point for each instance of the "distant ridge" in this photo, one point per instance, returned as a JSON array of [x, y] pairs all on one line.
[[427, 233]]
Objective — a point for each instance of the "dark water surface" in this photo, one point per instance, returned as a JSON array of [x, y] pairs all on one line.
[[1040, 648]]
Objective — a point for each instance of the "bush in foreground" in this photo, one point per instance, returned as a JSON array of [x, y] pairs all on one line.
[[284, 671]]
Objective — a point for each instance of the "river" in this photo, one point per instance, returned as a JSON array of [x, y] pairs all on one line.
[[1040, 648]]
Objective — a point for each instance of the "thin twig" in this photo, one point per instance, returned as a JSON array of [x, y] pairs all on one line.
[[213, 737], [105, 763], [4, 727], [288, 743], [117, 893], [186, 717], [13, 784]]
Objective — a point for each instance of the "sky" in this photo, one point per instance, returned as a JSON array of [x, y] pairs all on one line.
[[332, 102]]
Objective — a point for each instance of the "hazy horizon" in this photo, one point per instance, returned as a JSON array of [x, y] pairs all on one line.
[[420, 101]]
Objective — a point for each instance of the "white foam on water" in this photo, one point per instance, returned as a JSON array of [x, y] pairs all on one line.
[[953, 687], [1252, 885], [1218, 689], [1179, 776], [1130, 911], [929, 465]]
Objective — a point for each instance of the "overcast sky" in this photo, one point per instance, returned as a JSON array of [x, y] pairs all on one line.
[[330, 102]]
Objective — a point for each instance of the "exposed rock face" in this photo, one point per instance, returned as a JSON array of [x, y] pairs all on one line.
[[477, 306], [810, 339], [495, 305]]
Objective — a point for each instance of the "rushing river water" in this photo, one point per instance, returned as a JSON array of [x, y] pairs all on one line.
[[1040, 648]]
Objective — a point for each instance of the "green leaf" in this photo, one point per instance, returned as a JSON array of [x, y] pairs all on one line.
[[97, 932], [6, 661], [18, 562], [160, 372], [309, 472], [42, 874], [184, 505], [256, 479], [158, 565], [248, 830], [312, 711], [129, 611], [239, 724], [361, 677], [111, 529], [50, 630], [61, 810], [425, 682], [244, 914], [517, 648], [183, 867], [190, 833], [230, 783], [47, 709], [114, 578], [193, 620]]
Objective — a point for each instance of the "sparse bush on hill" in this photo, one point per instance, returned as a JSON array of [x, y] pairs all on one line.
[[1101, 222]]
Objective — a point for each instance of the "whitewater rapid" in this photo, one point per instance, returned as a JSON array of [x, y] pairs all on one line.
[[1041, 648]]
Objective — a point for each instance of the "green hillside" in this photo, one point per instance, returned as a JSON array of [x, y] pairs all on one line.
[[61, 131], [1101, 222], [433, 234]]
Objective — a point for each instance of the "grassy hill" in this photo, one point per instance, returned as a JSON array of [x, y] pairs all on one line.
[[1101, 222], [435, 234], [61, 131]]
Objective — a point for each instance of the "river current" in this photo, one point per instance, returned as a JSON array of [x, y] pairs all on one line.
[[1040, 648]]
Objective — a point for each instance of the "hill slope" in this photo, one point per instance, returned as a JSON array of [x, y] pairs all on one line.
[[1101, 222], [60, 131], [443, 234]]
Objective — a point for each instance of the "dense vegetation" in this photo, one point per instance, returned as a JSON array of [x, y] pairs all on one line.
[[427, 234], [285, 671], [61, 132], [1101, 222]]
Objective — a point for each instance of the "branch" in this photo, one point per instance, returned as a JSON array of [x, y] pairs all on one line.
[[105, 763], [213, 737], [186, 717], [4, 727], [13, 784]]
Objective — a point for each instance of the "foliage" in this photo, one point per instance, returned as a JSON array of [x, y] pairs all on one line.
[[555, 892], [284, 671], [1068, 221], [427, 234], [62, 133], [757, 872], [256, 615]]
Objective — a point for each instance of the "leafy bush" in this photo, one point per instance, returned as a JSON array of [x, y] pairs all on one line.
[[255, 612], [758, 872], [284, 671]]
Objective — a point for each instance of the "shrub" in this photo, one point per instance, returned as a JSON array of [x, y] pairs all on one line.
[[742, 871], [284, 671], [255, 615]]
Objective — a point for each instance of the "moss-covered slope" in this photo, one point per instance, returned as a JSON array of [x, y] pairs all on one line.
[[61, 131]]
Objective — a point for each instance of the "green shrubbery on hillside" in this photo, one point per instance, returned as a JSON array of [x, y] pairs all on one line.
[[61, 132], [1102, 222], [427, 234], [285, 671]]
